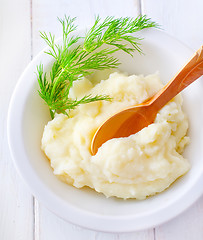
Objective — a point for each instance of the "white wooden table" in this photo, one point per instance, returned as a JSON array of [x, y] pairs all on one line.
[[22, 217]]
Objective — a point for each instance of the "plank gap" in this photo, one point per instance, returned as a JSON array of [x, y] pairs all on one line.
[[31, 30], [154, 232], [140, 7], [34, 219]]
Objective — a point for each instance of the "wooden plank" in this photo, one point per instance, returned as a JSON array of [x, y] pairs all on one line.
[[182, 20], [45, 13], [16, 203], [187, 226], [51, 227]]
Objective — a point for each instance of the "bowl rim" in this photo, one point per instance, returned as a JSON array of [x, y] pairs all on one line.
[[85, 218]]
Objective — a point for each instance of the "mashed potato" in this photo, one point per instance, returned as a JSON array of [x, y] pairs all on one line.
[[137, 166]]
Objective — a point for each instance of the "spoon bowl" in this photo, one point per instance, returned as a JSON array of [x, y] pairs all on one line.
[[123, 124]]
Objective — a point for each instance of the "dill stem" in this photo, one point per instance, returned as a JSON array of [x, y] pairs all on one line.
[[55, 84], [51, 113]]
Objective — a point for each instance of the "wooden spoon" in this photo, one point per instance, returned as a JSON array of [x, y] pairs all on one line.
[[135, 118]]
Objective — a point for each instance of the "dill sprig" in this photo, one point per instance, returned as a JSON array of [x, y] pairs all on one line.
[[78, 56]]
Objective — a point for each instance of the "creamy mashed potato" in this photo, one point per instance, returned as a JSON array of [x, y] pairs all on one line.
[[133, 167]]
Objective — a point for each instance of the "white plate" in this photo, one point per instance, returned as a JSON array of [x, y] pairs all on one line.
[[28, 116]]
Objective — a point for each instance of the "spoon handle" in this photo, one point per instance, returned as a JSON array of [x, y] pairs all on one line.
[[188, 74]]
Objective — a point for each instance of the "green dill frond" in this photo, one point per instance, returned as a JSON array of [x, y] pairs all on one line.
[[74, 59]]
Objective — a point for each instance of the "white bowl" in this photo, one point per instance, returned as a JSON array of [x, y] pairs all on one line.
[[28, 116]]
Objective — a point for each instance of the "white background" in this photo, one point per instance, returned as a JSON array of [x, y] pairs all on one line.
[[22, 217]]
